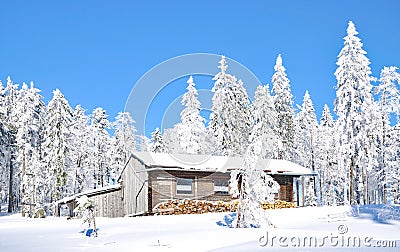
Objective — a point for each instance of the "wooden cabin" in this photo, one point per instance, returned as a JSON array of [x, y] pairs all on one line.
[[151, 178]]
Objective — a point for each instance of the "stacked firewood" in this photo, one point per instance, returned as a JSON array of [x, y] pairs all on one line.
[[278, 204], [188, 206]]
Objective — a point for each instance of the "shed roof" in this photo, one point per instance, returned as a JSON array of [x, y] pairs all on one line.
[[89, 193], [208, 163]]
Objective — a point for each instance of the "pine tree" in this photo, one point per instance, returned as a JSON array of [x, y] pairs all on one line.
[[353, 102], [389, 103], [100, 158], [171, 139], [157, 142], [80, 178], [283, 101], [230, 119], [306, 144], [191, 130], [143, 143], [57, 146], [3, 145], [10, 122], [331, 179], [123, 142], [265, 122], [30, 109]]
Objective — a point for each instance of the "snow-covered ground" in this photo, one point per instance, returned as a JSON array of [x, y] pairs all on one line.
[[329, 226]]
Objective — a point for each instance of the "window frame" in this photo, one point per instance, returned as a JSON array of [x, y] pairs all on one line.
[[222, 183], [184, 192]]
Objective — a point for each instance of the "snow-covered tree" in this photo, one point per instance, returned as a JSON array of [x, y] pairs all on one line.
[[283, 101], [100, 156], [30, 109], [265, 122], [389, 104], [10, 122], [57, 146], [171, 139], [191, 130], [330, 178], [85, 209], [306, 137], [352, 106], [143, 143], [253, 187], [3, 145], [230, 119], [157, 142], [123, 142], [80, 179], [306, 144]]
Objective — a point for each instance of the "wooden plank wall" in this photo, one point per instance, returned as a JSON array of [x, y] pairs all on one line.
[[134, 188], [163, 186], [108, 204]]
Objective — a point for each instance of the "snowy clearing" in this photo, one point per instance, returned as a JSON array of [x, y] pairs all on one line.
[[205, 232]]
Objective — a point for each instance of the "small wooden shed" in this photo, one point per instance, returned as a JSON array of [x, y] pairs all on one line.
[[108, 201]]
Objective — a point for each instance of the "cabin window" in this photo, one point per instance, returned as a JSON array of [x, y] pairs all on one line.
[[221, 186], [184, 186]]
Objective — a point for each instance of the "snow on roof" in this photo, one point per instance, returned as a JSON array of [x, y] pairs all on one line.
[[89, 193], [210, 163]]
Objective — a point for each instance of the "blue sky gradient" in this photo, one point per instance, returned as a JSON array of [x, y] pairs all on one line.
[[95, 51]]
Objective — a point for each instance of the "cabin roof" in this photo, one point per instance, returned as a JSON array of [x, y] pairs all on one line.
[[208, 163], [89, 193]]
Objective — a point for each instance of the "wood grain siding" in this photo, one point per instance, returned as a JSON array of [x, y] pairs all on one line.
[[163, 185], [109, 204], [134, 181]]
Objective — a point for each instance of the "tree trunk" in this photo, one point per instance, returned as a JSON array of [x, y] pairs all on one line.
[[10, 188], [351, 181]]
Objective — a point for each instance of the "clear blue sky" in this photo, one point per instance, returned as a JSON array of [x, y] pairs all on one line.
[[95, 51]]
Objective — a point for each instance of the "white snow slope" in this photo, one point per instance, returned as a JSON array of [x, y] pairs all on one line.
[[329, 226]]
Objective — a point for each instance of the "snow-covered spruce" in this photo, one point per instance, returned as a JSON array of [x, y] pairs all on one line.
[[306, 146], [230, 119], [283, 102], [57, 146], [191, 130], [157, 142], [354, 124], [265, 122], [85, 209]]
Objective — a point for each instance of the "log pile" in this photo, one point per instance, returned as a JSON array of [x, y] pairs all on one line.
[[188, 206], [278, 204]]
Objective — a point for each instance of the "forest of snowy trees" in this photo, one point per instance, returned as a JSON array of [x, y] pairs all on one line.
[[49, 152]]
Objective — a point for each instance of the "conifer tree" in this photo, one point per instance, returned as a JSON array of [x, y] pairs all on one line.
[[352, 106], [157, 142], [283, 101], [265, 122], [191, 130], [57, 146], [230, 119]]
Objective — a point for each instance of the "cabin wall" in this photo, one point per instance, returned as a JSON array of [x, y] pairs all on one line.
[[163, 186], [134, 188]]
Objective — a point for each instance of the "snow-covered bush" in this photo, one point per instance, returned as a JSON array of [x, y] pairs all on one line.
[[85, 210]]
